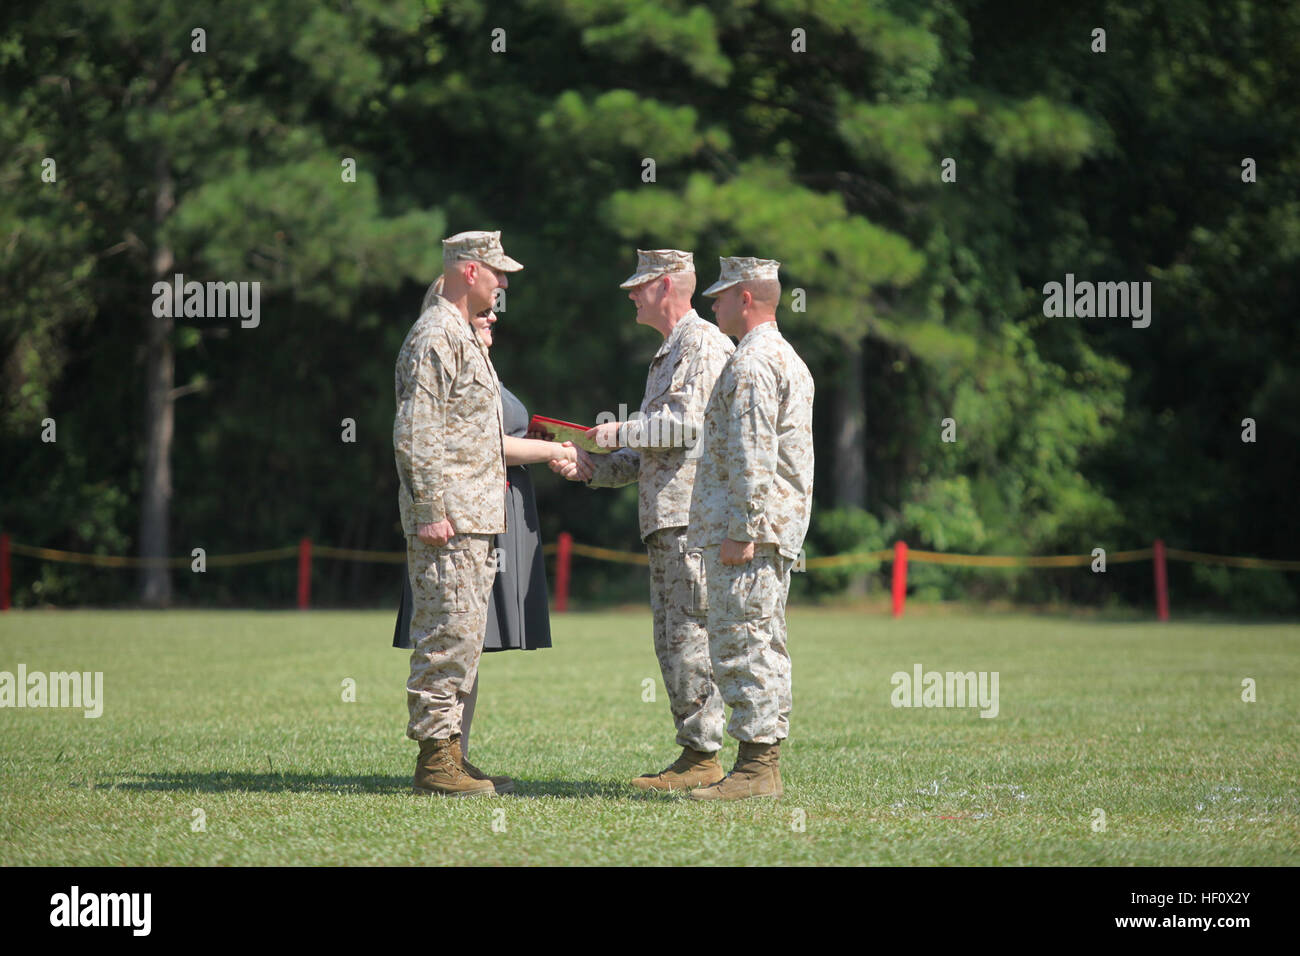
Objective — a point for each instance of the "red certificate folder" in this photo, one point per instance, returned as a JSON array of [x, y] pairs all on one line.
[[556, 430]]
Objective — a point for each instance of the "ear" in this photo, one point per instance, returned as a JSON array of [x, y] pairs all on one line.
[[470, 271]]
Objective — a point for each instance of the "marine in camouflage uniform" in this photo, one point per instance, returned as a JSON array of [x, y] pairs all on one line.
[[447, 441], [659, 449], [753, 486]]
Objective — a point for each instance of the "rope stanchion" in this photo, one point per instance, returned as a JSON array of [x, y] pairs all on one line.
[[639, 557], [900, 577], [565, 548], [562, 561], [600, 554], [1162, 580]]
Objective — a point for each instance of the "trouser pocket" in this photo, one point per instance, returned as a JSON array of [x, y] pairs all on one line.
[[753, 592]]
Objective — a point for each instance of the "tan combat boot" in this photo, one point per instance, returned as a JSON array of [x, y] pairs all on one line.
[[756, 774], [500, 784], [438, 771], [694, 768]]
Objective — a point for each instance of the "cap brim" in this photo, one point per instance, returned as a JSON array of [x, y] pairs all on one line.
[[720, 286], [640, 278], [502, 263]]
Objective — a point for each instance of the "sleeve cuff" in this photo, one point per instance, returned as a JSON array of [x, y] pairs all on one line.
[[428, 512], [740, 530]]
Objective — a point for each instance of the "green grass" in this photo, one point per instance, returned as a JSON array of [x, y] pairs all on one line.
[[240, 715]]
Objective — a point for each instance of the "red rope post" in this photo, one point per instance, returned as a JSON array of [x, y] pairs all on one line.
[[563, 557], [304, 574], [1162, 580], [900, 577], [4, 572]]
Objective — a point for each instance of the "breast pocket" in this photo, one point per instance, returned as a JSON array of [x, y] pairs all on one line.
[[478, 395], [484, 377], [658, 388]]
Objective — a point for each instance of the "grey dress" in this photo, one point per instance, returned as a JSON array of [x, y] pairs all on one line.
[[518, 615]]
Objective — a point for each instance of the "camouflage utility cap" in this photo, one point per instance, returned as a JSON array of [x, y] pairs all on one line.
[[654, 263], [480, 247], [741, 269]]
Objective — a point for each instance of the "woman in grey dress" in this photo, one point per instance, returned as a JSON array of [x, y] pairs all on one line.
[[518, 612]]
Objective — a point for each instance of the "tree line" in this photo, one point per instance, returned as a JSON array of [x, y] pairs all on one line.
[[922, 170]]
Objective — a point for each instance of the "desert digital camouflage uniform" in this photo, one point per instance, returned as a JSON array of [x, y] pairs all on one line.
[[662, 443], [447, 440], [754, 484], [662, 456]]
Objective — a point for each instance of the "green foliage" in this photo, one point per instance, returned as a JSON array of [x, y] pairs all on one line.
[[923, 297], [839, 531], [620, 120], [1244, 591], [624, 30]]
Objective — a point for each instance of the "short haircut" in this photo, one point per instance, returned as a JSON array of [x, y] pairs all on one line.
[[430, 293], [683, 282], [765, 291], [456, 265]]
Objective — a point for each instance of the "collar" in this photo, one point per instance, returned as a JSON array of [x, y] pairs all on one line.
[[457, 323], [676, 333], [462, 324], [765, 329]]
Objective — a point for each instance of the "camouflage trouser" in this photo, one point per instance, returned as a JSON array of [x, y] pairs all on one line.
[[681, 641], [450, 586], [746, 621]]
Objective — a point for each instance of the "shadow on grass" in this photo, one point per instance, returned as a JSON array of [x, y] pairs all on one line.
[[219, 781], [226, 782]]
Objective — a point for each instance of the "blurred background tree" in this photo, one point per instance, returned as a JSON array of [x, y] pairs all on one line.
[[811, 131]]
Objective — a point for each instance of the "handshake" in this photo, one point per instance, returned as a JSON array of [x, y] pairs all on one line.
[[569, 460], [572, 463]]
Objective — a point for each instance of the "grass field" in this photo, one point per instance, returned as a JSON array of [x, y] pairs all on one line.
[[236, 720]]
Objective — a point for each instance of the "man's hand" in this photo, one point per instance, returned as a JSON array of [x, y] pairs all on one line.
[[436, 534], [606, 435], [737, 552]]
